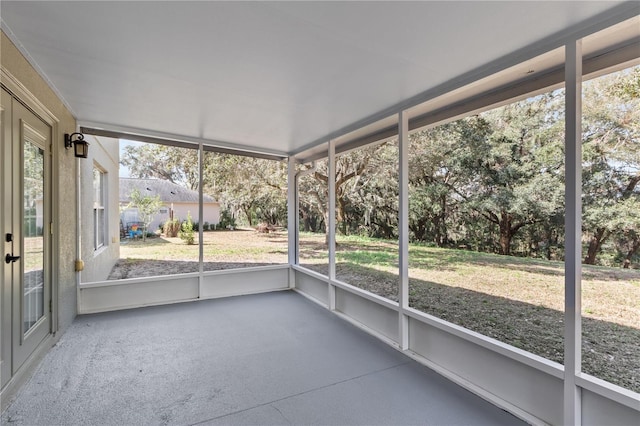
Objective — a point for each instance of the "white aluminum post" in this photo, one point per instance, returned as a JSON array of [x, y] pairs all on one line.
[[79, 224], [292, 218], [403, 227], [573, 231], [331, 242], [200, 221]]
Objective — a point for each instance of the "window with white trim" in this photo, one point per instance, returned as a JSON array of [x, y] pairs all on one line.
[[99, 216]]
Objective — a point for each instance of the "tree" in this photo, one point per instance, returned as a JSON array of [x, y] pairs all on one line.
[[508, 165], [627, 235], [177, 165], [147, 207], [313, 199], [366, 192], [431, 179], [254, 187], [611, 161], [375, 196]]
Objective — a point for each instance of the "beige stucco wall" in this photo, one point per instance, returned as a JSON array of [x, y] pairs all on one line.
[[64, 177], [104, 155], [210, 211]]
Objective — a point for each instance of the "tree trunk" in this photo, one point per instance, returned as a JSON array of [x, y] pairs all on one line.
[[387, 230], [340, 214], [548, 244], [247, 212], [444, 237], [595, 244], [305, 221], [630, 254], [435, 222], [505, 234], [505, 243], [419, 229]]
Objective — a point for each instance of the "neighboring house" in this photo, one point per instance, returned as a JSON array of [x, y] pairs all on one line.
[[174, 197]]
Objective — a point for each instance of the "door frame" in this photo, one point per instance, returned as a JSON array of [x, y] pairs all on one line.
[[16, 89], [27, 125]]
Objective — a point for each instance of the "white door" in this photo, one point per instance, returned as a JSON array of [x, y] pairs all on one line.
[[25, 231]]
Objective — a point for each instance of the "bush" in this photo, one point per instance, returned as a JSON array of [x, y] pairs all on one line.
[[226, 220], [171, 228], [206, 226], [186, 231]]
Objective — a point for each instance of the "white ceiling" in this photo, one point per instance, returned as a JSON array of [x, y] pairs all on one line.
[[272, 76]]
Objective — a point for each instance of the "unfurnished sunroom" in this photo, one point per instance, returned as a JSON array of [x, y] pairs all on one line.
[[428, 212]]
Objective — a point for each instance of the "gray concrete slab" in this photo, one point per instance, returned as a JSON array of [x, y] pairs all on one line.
[[272, 358]]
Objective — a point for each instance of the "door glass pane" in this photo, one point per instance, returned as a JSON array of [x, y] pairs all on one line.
[[33, 242]]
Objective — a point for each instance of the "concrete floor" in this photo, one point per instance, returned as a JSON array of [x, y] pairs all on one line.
[[273, 358]]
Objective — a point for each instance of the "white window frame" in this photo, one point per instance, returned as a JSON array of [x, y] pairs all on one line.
[[100, 223]]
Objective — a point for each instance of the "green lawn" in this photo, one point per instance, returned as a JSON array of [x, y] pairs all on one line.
[[518, 301]]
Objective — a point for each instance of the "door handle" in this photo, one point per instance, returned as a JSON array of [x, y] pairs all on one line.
[[10, 259]]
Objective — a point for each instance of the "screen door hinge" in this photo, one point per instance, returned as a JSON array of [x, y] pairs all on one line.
[[51, 228], [50, 305]]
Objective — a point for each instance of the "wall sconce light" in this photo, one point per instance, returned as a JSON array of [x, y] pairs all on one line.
[[80, 146]]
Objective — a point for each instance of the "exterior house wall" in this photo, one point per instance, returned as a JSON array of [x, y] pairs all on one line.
[[103, 155], [211, 214], [64, 181]]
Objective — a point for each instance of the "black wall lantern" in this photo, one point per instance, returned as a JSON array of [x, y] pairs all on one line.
[[80, 146]]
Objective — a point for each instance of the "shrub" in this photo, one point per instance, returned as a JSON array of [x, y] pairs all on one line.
[[171, 228], [186, 231], [226, 220], [206, 226]]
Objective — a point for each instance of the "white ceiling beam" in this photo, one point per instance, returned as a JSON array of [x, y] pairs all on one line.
[[142, 135]]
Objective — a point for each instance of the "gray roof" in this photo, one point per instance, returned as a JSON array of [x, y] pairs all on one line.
[[169, 192]]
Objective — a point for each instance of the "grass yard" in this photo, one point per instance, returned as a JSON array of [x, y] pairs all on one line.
[[221, 250], [515, 300]]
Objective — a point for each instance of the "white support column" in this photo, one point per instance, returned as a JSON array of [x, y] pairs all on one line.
[[403, 227], [79, 221], [573, 232], [200, 218], [292, 218], [331, 188]]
